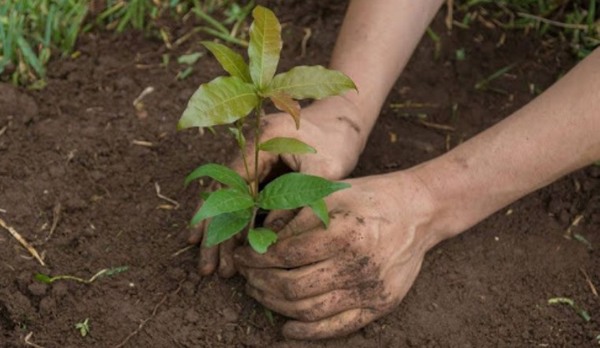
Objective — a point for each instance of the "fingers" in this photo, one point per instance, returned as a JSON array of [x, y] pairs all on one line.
[[209, 258], [226, 264], [308, 281], [310, 309], [305, 220], [338, 325], [297, 251], [196, 233]]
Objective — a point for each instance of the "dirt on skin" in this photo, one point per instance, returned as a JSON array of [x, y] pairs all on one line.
[[79, 169]]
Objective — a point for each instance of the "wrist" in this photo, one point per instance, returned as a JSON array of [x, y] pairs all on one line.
[[457, 203], [411, 199]]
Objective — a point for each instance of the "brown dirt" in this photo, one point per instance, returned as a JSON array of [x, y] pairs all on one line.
[[72, 144]]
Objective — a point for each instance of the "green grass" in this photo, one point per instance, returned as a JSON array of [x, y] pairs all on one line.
[[34, 31], [574, 21]]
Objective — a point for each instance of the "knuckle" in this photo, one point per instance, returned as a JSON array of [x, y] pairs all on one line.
[[333, 171], [290, 291], [310, 314], [323, 309]]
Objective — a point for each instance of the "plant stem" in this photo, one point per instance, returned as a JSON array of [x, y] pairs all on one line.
[[253, 219], [243, 151], [256, 150]]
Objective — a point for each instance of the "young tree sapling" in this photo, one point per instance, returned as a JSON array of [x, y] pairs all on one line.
[[229, 100]]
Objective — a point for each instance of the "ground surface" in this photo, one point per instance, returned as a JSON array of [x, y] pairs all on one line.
[[70, 154]]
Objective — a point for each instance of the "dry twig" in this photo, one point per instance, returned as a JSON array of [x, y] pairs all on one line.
[[142, 143], [305, 38], [161, 196], [589, 281], [437, 126], [23, 242], [575, 223], [137, 102], [28, 342], [449, 14], [55, 218], [583, 27], [181, 251]]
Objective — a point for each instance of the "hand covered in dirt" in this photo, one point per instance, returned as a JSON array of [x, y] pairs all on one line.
[[330, 126], [334, 281]]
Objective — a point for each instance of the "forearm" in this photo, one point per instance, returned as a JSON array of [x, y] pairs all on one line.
[[375, 42], [555, 134]]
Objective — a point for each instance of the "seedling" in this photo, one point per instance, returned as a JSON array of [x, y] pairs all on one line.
[[485, 83], [236, 15], [229, 100], [569, 302], [107, 272], [83, 327]]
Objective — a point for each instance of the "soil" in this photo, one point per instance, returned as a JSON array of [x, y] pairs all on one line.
[[79, 165]]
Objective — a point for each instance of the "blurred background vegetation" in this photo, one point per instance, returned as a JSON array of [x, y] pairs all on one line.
[[34, 31]]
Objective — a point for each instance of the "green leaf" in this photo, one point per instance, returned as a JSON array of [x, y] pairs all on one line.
[[261, 238], [320, 209], [220, 101], [114, 271], [222, 201], [224, 226], [314, 82], [189, 59], [219, 173], [286, 145], [265, 46], [185, 73], [295, 190], [231, 61], [43, 278], [285, 103], [83, 327], [30, 57]]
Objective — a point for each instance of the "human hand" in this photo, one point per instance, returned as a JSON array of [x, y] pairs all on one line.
[[330, 126], [333, 281]]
